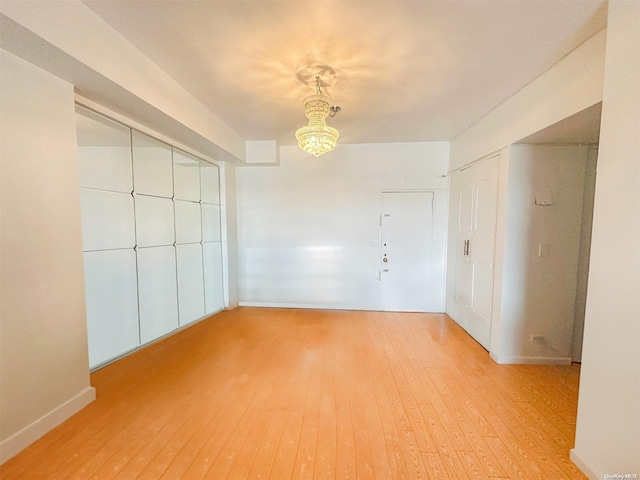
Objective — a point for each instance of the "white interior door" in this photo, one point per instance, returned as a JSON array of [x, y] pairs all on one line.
[[405, 251], [477, 201], [463, 265]]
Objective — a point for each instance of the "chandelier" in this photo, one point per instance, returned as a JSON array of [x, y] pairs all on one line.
[[317, 138]]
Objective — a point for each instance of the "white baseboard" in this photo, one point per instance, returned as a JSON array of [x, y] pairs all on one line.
[[310, 306], [29, 434], [584, 466], [530, 360], [314, 306]]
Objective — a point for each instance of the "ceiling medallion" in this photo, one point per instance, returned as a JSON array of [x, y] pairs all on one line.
[[317, 137]]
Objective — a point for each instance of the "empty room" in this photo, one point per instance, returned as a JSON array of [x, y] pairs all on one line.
[[332, 239]]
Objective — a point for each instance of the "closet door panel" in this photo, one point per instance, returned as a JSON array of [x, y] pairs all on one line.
[[104, 153], [107, 220], [214, 296], [487, 204], [112, 303], [211, 223], [154, 221], [190, 282], [186, 176], [106, 168], [210, 180], [188, 222], [152, 166], [157, 287], [481, 294]]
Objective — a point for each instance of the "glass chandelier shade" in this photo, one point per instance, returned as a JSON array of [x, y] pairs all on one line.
[[317, 137]]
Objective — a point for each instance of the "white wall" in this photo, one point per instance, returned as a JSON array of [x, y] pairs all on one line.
[[539, 292], [500, 246], [229, 234], [44, 360], [307, 227], [608, 426], [585, 251]]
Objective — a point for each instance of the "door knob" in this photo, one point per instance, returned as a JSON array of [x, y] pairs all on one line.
[[385, 259]]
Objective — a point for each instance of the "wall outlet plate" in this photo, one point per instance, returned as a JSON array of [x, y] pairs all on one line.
[[544, 249]]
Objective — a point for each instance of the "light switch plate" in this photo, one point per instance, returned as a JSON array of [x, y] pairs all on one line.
[[544, 249]]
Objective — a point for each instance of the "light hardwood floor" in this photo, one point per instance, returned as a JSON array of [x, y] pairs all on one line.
[[294, 394]]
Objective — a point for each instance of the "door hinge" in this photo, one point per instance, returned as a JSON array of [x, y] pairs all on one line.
[[380, 220]]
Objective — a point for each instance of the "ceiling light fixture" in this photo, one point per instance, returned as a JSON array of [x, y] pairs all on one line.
[[317, 138]]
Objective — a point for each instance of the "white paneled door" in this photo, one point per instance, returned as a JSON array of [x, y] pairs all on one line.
[[476, 189], [405, 251]]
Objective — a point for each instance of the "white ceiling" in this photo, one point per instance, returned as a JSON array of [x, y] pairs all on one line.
[[400, 70]]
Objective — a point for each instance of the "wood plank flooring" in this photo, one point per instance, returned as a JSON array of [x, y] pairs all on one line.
[[306, 394]]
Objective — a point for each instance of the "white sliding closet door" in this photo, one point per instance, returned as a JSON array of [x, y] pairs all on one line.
[[151, 236], [186, 178], [155, 236], [211, 236], [108, 235]]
